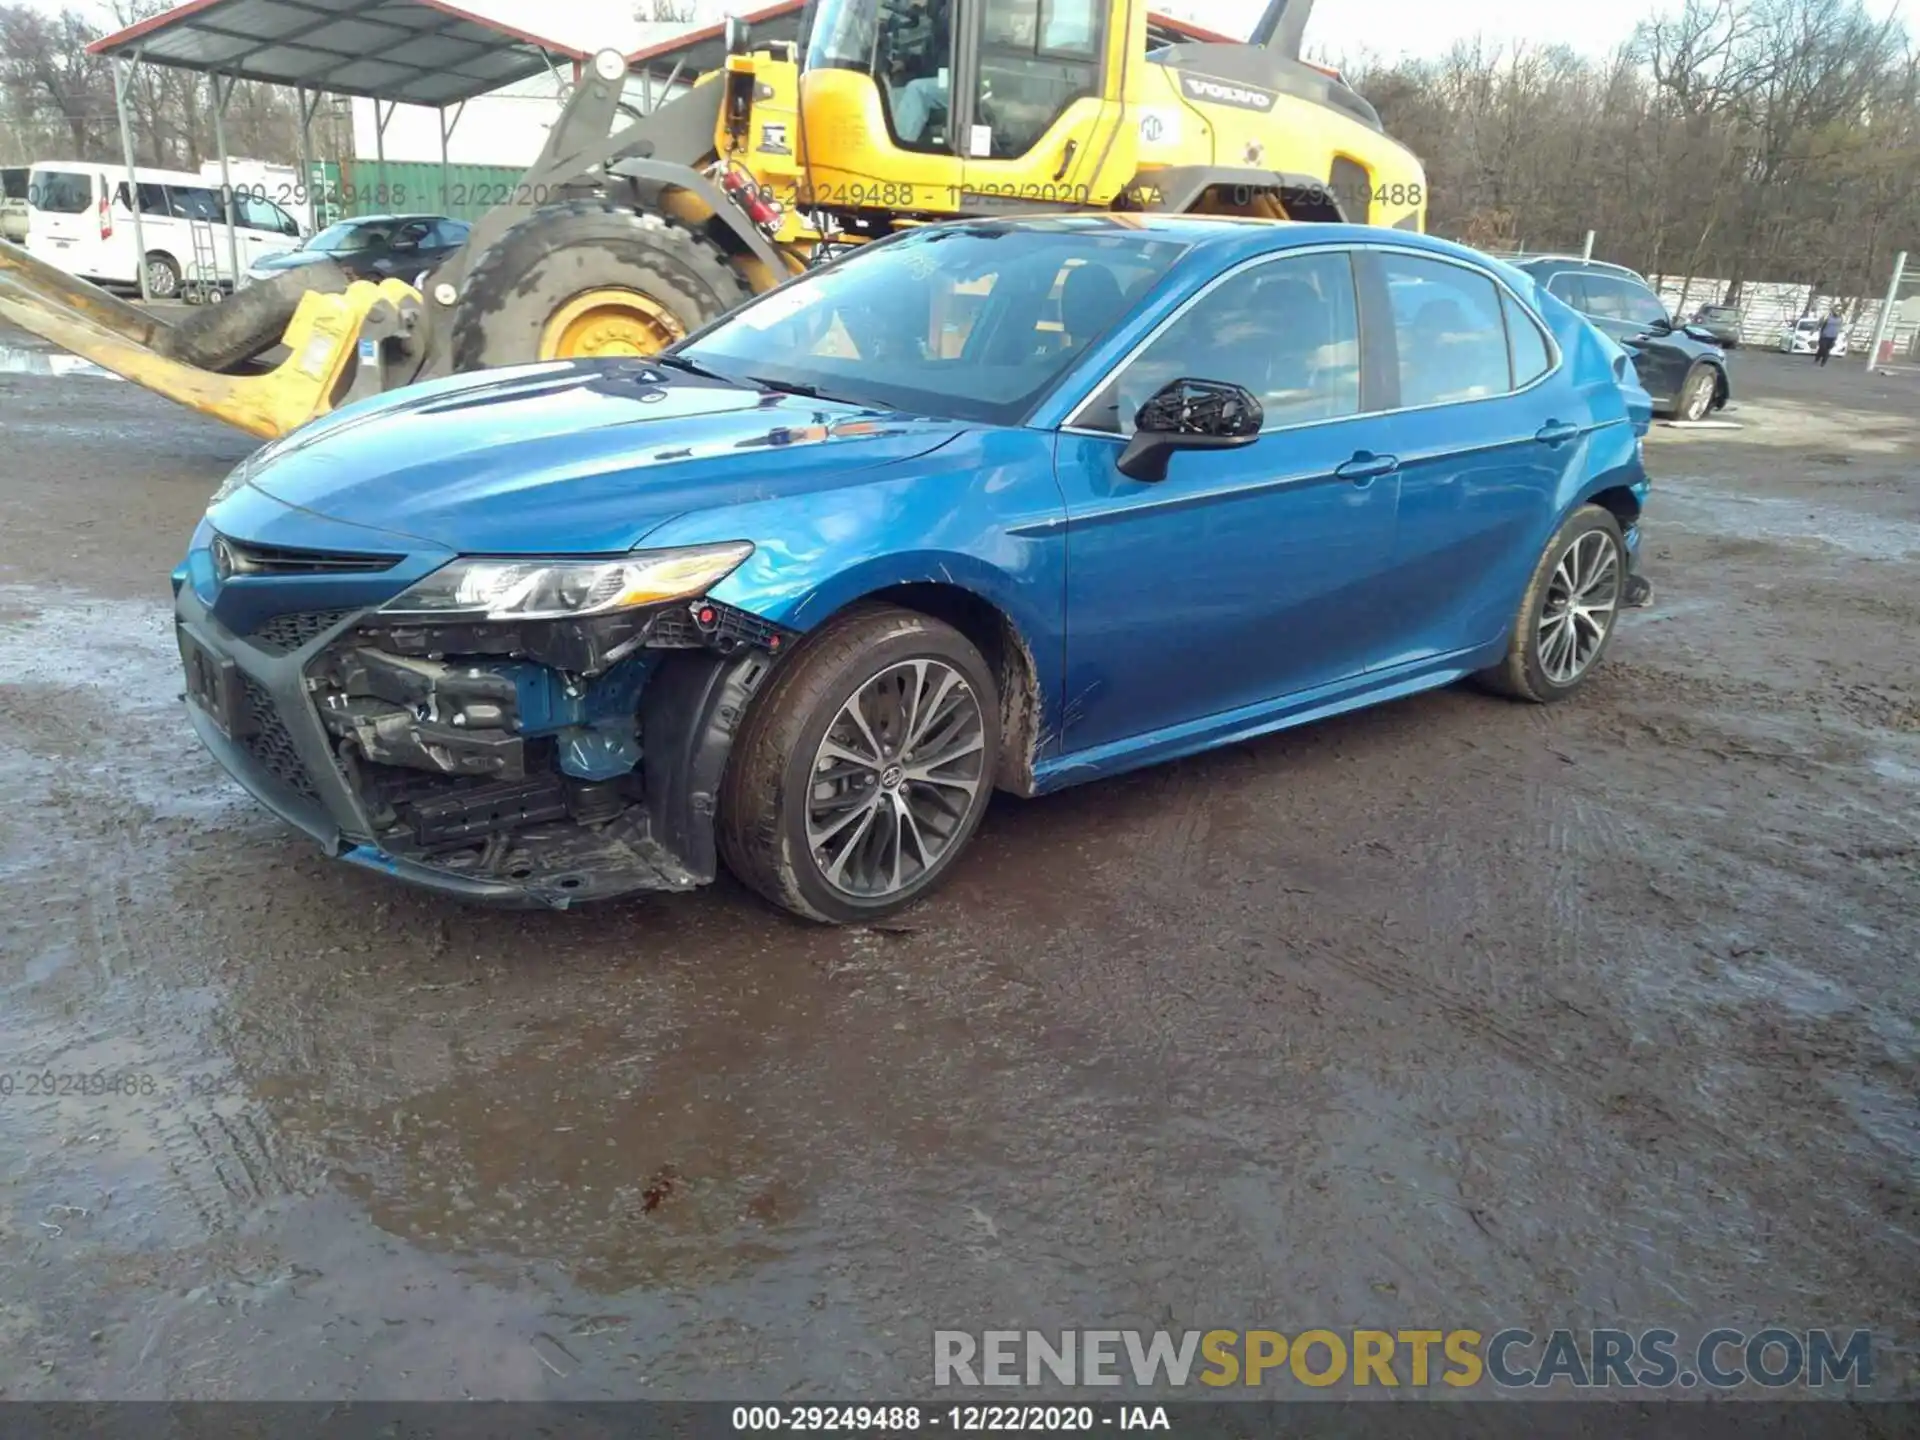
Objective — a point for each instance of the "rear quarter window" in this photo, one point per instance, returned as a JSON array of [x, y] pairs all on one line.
[[1531, 357]]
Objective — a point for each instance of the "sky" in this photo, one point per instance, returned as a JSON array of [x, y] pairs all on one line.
[[1341, 30]]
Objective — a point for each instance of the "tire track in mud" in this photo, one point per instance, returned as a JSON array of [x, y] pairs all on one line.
[[117, 980], [230, 1162]]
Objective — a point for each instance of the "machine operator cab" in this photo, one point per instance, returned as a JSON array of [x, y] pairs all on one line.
[[977, 100], [995, 106]]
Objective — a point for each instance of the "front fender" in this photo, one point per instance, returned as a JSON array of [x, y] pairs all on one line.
[[982, 514]]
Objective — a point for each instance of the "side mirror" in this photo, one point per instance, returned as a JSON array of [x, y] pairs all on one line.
[[1189, 415], [1662, 326], [737, 35]]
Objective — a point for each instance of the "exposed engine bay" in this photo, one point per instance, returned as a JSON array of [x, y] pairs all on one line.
[[573, 758]]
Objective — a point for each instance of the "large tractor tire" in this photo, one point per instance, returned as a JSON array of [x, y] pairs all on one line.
[[220, 337], [589, 278]]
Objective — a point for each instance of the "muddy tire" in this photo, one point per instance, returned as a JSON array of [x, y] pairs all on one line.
[[1697, 393], [218, 337], [163, 275], [1567, 617], [811, 809], [553, 259]]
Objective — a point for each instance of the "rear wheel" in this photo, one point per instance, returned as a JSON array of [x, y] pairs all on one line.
[[589, 279], [864, 767], [1697, 393], [1567, 616], [163, 275]]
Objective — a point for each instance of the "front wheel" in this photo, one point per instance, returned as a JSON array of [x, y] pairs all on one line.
[[863, 769], [1567, 616], [163, 276]]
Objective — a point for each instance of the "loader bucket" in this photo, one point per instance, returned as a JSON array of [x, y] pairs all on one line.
[[82, 318]]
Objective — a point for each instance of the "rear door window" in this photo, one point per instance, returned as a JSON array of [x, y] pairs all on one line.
[[1449, 331], [195, 202], [1570, 287], [153, 198], [1610, 297]]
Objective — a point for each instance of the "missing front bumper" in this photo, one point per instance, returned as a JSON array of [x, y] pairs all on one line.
[[520, 834]]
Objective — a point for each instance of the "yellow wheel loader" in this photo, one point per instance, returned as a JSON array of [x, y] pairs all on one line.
[[886, 114]]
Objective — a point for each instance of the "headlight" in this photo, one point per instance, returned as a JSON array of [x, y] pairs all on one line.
[[567, 589], [238, 476]]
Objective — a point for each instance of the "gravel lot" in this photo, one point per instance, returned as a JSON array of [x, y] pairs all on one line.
[[1451, 1013]]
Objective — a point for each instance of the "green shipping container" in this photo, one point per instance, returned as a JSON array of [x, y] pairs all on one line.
[[465, 192]]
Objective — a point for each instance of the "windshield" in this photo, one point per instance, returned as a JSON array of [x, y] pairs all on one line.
[[971, 322]]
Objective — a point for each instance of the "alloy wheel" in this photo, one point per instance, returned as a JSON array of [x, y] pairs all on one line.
[[1578, 611], [1698, 400], [894, 778]]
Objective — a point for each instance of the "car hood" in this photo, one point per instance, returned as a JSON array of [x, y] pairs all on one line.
[[574, 457]]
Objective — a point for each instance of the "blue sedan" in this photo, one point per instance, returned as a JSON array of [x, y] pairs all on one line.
[[1005, 505]]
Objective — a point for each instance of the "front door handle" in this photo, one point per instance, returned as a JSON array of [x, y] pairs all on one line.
[[1556, 432], [1366, 467]]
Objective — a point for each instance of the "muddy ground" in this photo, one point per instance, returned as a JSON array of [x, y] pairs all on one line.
[[1452, 1013]]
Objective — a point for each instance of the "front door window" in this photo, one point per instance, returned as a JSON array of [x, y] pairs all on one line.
[[1285, 330]]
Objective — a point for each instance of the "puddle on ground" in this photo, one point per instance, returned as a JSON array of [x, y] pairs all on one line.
[[16, 360]]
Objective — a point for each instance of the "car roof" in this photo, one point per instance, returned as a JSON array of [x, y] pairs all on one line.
[[1565, 264], [389, 219], [1231, 237]]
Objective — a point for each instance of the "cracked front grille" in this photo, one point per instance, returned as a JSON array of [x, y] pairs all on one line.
[[289, 632], [271, 745]]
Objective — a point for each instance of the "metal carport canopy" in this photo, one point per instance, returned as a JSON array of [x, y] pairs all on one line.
[[392, 52], [410, 52]]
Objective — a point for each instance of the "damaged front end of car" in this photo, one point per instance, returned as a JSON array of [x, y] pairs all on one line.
[[524, 731]]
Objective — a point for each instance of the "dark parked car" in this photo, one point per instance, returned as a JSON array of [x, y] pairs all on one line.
[[374, 247], [1722, 322], [801, 592], [1681, 367]]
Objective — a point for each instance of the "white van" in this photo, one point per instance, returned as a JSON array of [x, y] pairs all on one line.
[[80, 217]]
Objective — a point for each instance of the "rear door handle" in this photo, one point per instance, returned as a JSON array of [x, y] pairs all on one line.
[[1556, 432], [1365, 467]]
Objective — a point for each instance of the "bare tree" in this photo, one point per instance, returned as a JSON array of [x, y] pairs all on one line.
[[668, 12], [54, 92], [1743, 139]]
